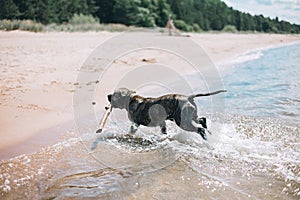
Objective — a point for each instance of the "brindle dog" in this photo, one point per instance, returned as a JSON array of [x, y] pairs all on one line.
[[155, 111]]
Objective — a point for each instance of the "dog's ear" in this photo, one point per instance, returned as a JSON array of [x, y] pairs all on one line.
[[126, 92], [133, 92], [109, 97]]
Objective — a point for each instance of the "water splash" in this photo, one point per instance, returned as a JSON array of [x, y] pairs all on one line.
[[244, 157]]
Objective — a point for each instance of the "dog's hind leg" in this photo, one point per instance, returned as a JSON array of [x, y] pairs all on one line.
[[133, 128], [192, 126], [201, 131], [188, 120], [202, 121]]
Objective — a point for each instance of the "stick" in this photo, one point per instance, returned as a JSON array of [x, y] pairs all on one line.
[[104, 118]]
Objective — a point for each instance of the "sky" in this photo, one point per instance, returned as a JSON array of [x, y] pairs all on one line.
[[288, 10]]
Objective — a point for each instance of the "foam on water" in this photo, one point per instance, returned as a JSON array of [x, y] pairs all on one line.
[[240, 152], [249, 56]]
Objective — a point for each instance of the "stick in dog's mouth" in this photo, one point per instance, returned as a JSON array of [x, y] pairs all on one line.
[[104, 118]]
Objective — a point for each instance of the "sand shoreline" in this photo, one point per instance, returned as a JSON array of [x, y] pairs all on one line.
[[39, 72]]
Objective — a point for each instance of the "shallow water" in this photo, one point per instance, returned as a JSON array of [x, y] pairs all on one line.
[[270, 84], [244, 158], [253, 152]]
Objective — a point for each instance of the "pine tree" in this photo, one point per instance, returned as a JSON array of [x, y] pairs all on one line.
[[9, 9]]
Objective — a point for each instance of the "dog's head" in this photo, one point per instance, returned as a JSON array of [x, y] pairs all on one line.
[[120, 98]]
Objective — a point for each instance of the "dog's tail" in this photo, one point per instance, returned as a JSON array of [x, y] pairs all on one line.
[[206, 94]]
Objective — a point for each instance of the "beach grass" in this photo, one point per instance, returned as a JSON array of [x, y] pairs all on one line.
[[24, 25], [87, 23], [29, 25]]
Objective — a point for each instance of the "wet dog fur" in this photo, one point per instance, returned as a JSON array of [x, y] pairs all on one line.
[[154, 112]]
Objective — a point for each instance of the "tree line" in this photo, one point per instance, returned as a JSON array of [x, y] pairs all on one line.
[[188, 15]]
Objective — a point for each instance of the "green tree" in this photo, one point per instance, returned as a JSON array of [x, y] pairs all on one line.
[[162, 10], [105, 10], [192, 14], [134, 12], [9, 9]]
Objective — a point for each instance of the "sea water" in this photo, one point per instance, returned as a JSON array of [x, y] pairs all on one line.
[[268, 85], [253, 152]]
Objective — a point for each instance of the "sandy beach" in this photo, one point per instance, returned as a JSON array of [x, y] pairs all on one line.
[[39, 72]]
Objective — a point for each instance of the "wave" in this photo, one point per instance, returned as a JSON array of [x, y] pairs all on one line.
[[253, 54]]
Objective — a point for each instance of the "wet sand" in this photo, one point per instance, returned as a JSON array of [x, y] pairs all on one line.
[[39, 72]]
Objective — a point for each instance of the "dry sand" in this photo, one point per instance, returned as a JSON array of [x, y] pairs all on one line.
[[39, 71]]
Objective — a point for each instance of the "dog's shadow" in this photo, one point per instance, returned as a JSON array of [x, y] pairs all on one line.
[[97, 141], [126, 139]]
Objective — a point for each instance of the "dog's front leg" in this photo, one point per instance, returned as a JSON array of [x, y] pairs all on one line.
[[133, 128], [163, 128]]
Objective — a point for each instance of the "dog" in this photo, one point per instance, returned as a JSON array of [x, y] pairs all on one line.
[[153, 112]]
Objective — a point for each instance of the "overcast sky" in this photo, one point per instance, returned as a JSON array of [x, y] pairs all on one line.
[[288, 10]]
